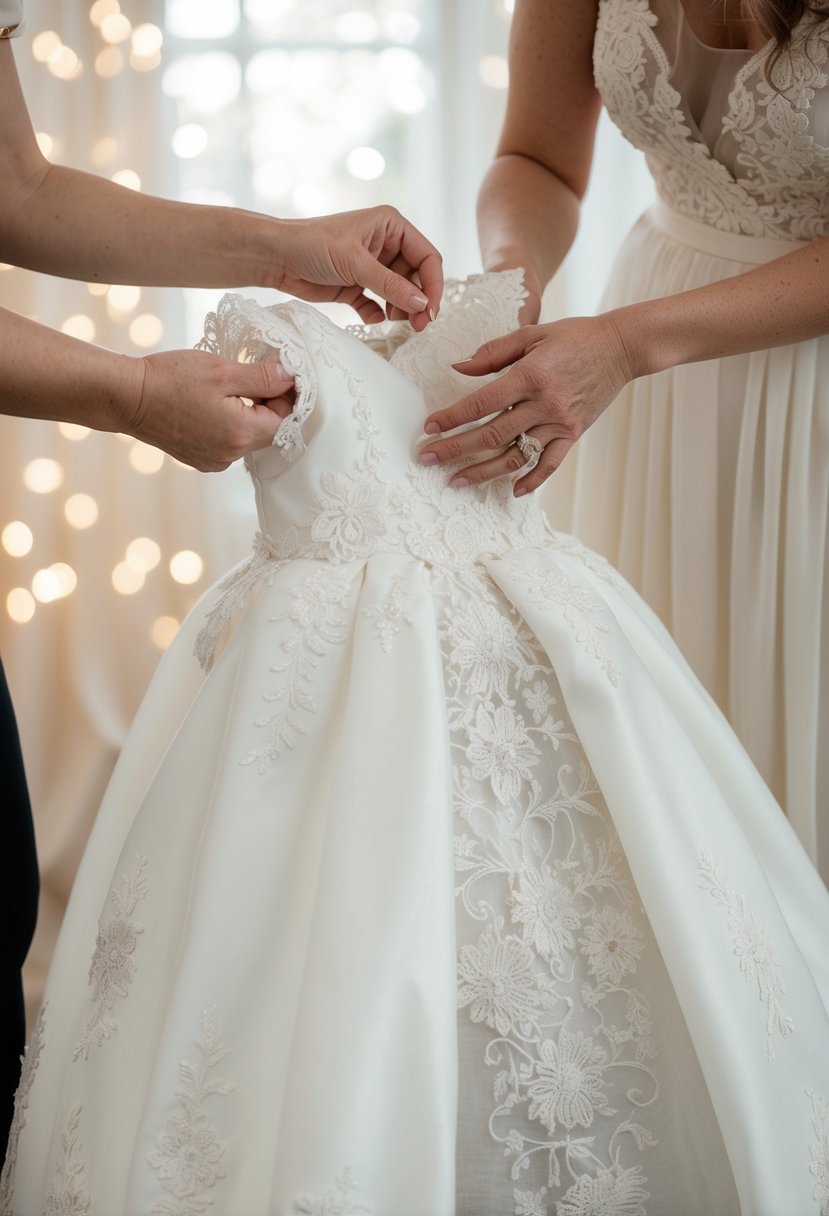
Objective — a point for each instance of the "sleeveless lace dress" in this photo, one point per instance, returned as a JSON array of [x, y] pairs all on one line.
[[444, 889], [708, 485]]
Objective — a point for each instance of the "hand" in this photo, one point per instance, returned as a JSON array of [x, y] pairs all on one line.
[[336, 257], [189, 404], [561, 378]]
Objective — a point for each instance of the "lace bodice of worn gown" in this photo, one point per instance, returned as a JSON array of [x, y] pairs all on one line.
[[726, 146]]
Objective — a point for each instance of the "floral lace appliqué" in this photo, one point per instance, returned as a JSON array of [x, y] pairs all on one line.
[[112, 969], [553, 980], [778, 188], [189, 1157], [30, 1061], [388, 616], [318, 613], [67, 1196], [341, 1201], [757, 959]]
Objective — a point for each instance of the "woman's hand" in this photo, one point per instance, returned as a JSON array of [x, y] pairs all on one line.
[[561, 377], [339, 257]]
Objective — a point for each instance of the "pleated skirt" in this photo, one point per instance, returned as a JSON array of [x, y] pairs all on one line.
[[707, 485]]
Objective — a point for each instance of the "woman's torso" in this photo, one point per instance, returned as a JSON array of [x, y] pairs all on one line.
[[726, 145]]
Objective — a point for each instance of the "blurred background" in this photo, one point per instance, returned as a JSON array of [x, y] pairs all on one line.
[[291, 107]]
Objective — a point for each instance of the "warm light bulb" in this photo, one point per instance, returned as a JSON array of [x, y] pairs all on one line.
[[20, 605], [186, 567], [163, 631], [81, 511], [143, 554], [42, 476], [17, 538], [79, 326], [146, 330], [73, 431], [145, 459], [126, 580]]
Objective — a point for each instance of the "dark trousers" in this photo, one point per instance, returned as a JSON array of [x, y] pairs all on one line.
[[18, 903]]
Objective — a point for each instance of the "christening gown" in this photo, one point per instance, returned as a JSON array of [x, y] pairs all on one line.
[[447, 889], [707, 485]]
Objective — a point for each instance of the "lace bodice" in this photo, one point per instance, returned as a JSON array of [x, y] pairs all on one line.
[[760, 166], [342, 480]]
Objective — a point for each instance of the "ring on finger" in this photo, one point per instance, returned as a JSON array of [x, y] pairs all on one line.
[[530, 448]]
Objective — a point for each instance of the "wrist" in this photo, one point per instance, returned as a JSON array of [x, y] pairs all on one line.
[[644, 351]]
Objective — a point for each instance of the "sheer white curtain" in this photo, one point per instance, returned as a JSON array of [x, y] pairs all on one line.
[[105, 545]]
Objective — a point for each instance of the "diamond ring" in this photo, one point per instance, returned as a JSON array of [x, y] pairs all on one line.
[[530, 449]]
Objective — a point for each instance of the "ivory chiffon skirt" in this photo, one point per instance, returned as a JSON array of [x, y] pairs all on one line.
[[708, 487]]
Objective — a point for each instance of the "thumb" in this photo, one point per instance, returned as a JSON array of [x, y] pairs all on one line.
[[496, 354], [260, 381], [391, 287]]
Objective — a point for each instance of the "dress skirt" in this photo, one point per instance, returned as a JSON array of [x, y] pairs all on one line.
[[707, 485]]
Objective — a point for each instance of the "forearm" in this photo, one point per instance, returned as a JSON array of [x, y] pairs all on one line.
[[527, 216], [45, 374], [78, 226], [784, 301]]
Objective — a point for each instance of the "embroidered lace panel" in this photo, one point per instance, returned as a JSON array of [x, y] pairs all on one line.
[[780, 184]]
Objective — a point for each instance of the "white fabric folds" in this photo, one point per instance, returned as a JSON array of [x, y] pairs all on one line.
[[446, 890]]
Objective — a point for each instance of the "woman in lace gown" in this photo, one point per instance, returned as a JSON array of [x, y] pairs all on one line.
[[445, 890], [706, 482]]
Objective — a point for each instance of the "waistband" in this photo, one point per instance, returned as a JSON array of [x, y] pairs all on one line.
[[733, 246]]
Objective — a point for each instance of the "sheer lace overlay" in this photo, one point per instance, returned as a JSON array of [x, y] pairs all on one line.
[[768, 174]]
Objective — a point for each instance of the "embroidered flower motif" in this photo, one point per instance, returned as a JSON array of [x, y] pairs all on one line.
[[501, 751], [30, 1062], [568, 1090], [757, 960], [318, 604], [349, 515], [112, 969], [611, 1193], [612, 944], [498, 982], [819, 1151], [485, 645], [388, 615], [67, 1196], [545, 907], [339, 1202], [539, 700], [188, 1157], [530, 1203], [775, 183]]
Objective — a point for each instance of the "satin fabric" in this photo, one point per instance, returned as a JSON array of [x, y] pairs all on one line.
[[270, 878]]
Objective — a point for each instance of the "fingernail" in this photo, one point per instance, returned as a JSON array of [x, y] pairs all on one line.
[[460, 482], [521, 491], [431, 428], [432, 314], [428, 458], [417, 302]]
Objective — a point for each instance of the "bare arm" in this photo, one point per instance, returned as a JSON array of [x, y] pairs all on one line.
[[187, 402], [528, 206], [65, 222]]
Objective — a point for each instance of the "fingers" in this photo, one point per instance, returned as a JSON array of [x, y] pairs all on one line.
[[393, 287], [549, 461], [259, 380], [425, 260], [495, 355], [491, 437], [510, 390]]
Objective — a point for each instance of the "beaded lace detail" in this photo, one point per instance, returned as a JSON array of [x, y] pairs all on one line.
[[779, 187]]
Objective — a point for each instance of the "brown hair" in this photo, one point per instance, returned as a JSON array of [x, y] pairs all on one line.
[[779, 18]]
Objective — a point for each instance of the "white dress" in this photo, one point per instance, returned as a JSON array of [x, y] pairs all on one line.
[[446, 890], [707, 486]]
